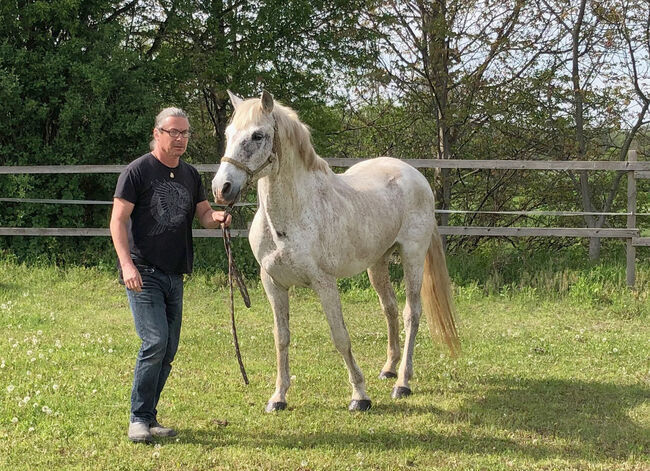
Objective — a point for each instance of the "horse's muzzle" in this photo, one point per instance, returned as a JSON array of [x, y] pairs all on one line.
[[226, 193], [228, 184]]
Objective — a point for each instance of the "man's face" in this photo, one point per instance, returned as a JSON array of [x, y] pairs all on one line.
[[168, 145]]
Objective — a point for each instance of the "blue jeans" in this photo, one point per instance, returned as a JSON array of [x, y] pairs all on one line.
[[157, 312]]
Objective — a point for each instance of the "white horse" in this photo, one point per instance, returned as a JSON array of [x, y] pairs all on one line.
[[314, 226]]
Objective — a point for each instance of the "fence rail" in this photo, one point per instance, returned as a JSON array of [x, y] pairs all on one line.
[[99, 231], [635, 170], [642, 168]]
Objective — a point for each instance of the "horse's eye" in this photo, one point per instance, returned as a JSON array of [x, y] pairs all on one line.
[[257, 136]]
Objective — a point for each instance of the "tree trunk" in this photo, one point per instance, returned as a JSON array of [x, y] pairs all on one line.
[[217, 110], [587, 205], [435, 58]]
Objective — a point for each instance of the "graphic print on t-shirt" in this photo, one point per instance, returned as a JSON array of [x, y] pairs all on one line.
[[170, 204]]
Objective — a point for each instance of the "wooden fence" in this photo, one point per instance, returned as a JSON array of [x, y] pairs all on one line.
[[635, 170]]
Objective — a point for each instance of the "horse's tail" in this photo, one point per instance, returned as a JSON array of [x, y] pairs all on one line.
[[437, 301]]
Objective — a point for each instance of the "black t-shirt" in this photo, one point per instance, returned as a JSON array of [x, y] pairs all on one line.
[[165, 201]]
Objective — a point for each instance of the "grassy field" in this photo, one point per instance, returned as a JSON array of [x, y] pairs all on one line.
[[545, 382]]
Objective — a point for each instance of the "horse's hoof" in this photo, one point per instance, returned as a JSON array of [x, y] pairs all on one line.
[[387, 375], [275, 406], [360, 405], [400, 392]]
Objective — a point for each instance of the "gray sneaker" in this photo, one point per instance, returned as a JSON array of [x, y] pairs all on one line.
[[139, 432], [158, 430]]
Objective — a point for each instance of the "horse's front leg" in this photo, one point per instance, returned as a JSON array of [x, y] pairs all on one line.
[[331, 302], [279, 299]]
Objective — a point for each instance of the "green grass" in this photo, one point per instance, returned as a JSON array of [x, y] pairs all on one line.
[[556, 379]]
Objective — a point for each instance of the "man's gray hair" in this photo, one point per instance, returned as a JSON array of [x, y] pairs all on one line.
[[171, 111]]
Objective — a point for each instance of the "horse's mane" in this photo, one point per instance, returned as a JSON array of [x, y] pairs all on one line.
[[289, 127]]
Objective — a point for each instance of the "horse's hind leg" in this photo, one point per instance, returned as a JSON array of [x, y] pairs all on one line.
[[413, 264], [331, 302], [380, 280], [279, 299]]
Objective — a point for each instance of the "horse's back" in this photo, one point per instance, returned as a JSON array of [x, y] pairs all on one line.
[[378, 171], [409, 190]]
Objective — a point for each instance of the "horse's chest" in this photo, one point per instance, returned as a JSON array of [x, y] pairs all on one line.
[[280, 258], [284, 268]]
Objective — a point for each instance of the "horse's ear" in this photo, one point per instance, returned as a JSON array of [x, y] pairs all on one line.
[[234, 99], [267, 102]]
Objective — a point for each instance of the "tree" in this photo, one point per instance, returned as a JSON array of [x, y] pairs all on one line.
[[536, 79], [296, 49], [602, 46], [71, 92], [443, 64], [442, 57]]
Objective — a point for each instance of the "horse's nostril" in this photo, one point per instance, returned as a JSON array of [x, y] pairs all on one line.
[[226, 188]]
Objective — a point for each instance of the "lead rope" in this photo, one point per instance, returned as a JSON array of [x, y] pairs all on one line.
[[233, 273]]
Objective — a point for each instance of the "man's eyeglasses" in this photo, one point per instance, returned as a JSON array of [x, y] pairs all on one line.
[[174, 133]]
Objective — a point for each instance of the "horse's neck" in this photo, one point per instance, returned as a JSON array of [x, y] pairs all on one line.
[[290, 194]]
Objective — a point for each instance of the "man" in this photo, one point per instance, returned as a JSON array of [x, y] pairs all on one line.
[[155, 201]]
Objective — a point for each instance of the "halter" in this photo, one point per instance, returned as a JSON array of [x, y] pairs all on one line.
[[269, 160]]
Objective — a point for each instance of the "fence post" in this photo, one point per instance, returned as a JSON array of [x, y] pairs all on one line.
[[631, 221]]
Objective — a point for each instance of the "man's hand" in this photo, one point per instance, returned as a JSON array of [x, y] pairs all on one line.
[[221, 217], [209, 218], [132, 278]]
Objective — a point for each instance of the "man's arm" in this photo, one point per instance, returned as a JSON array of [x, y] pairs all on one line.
[[209, 218], [122, 210]]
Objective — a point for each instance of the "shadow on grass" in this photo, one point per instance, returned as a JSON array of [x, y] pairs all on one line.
[[542, 419], [591, 418], [7, 287]]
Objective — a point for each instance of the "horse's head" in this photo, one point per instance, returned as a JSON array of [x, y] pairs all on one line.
[[250, 147]]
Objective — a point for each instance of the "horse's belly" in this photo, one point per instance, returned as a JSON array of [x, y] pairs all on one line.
[[348, 269]]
